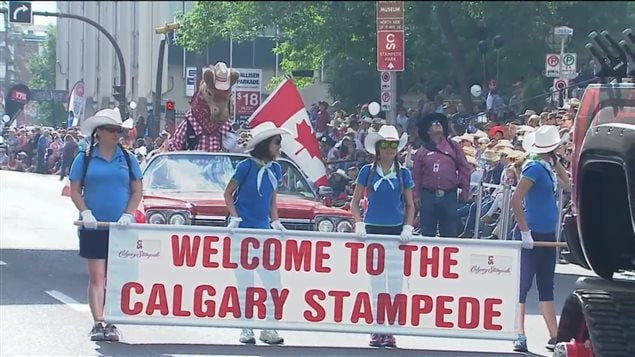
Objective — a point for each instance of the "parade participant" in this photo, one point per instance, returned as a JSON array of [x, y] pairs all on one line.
[[535, 208], [439, 170], [250, 197], [390, 207], [106, 187]]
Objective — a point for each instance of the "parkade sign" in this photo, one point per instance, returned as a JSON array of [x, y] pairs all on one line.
[[311, 281]]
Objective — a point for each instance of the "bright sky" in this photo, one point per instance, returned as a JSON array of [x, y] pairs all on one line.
[[50, 6]]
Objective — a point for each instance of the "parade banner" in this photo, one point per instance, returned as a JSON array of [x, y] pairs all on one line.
[[312, 281], [76, 105]]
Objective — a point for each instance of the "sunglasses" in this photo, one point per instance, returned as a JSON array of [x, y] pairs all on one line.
[[112, 129], [388, 144]]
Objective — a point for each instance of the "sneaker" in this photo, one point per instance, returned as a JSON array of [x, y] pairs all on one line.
[[551, 344], [376, 340], [111, 333], [247, 336], [520, 344], [271, 337], [97, 333], [389, 341]]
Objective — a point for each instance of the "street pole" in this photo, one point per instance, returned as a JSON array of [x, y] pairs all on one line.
[[391, 116], [165, 30]]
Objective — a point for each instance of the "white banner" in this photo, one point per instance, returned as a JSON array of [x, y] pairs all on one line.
[[312, 281]]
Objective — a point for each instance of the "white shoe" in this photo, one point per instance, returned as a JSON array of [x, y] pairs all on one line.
[[247, 336], [271, 337]]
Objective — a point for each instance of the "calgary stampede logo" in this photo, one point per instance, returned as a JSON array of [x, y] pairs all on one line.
[[493, 265], [152, 251]]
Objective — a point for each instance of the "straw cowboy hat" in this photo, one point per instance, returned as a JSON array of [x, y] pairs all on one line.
[[544, 140], [469, 151], [262, 132], [524, 129], [517, 155], [490, 155], [471, 160], [503, 144], [104, 117], [222, 76], [480, 134], [387, 133]]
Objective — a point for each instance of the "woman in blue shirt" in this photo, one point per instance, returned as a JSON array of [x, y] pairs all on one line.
[[390, 207], [250, 198], [535, 208], [106, 187]]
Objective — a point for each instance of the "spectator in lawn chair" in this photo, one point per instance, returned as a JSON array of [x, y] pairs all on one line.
[[440, 170]]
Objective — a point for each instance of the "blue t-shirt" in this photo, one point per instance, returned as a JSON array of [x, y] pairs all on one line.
[[386, 205], [541, 208], [252, 206], [107, 183]]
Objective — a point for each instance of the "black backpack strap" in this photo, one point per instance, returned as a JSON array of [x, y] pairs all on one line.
[[87, 157]]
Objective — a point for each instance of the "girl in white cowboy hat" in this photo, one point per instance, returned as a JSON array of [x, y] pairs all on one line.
[[106, 186], [535, 207], [390, 206], [250, 197]]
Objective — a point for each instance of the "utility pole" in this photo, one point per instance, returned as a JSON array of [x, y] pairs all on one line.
[[165, 30]]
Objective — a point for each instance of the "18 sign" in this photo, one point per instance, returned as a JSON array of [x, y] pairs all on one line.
[[248, 99]]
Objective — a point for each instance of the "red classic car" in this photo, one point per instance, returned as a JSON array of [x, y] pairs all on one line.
[[186, 188]]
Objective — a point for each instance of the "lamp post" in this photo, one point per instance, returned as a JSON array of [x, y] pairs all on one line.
[[482, 48], [165, 30], [497, 42]]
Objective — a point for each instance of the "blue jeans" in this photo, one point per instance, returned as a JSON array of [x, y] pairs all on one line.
[[439, 212]]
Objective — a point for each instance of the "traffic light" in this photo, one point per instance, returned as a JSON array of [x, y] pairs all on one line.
[[170, 115], [119, 93], [169, 105]]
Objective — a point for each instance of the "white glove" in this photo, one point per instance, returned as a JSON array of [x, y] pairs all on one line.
[[406, 233], [527, 240], [125, 219], [89, 221], [277, 225], [360, 229], [234, 222]]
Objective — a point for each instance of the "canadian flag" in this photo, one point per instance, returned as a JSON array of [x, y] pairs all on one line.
[[285, 108]]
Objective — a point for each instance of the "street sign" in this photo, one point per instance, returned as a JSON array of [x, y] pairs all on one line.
[[386, 103], [560, 83], [20, 12], [569, 66], [390, 35], [563, 31], [385, 81], [552, 65], [190, 81], [55, 95], [247, 93]]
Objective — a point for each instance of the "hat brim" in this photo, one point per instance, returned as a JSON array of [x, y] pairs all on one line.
[[529, 145], [88, 126], [262, 136], [374, 137], [222, 85]]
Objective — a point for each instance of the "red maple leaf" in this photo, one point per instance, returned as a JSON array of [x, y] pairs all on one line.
[[306, 138]]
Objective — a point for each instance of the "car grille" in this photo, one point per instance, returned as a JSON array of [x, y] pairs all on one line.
[[295, 226]]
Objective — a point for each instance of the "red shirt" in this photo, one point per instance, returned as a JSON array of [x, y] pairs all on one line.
[[433, 170]]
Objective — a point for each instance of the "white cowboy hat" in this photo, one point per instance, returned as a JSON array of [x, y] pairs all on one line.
[[471, 160], [104, 117], [480, 134], [262, 132], [503, 144], [222, 80], [387, 133], [342, 173], [545, 139]]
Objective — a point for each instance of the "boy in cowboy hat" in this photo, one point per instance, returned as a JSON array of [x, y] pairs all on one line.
[[535, 207], [250, 197]]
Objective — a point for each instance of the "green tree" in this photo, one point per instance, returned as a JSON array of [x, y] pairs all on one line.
[[42, 68]]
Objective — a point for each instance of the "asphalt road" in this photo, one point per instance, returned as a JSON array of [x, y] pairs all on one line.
[[44, 311]]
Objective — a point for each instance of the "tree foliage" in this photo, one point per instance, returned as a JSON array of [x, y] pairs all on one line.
[[42, 68], [341, 34]]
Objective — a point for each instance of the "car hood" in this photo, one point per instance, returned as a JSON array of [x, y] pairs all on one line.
[[213, 204]]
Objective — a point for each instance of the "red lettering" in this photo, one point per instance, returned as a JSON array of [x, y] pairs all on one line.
[[310, 298], [157, 300], [471, 321], [419, 309], [354, 247], [490, 314], [279, 298], [251, 302], [407, 258], [362, 308], [244, 248], [386, 307], [267, 254], [208, 251], [449, 262], [441, 311], [230, 303], [379, 260], [338, 304], [298, 256], [321, 256], [209, 304], [227, 254], [137, 307], [432, 261], [177, 303], [183, 250]]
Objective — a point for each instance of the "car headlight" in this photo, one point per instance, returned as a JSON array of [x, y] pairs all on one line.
[[345, 226], [325, 225], [156, 218], [178, 219]]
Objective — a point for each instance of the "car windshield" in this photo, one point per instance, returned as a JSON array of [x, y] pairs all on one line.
[[211, 173]]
